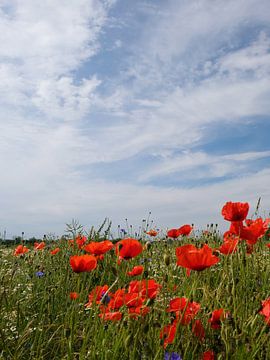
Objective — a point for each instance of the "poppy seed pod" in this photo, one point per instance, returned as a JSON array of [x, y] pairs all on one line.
[[167, 259]]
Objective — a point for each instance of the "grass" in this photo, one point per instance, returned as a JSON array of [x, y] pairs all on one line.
[[40, 321]]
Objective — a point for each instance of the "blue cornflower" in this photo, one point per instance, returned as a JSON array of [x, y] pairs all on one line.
[[172, 356], [40, 274]]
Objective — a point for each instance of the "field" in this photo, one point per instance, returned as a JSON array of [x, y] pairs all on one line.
[[67, 299]]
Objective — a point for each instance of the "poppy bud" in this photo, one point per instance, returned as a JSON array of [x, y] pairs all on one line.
[[167, 259]]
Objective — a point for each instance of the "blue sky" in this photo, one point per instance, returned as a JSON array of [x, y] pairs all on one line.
[[114, 108]]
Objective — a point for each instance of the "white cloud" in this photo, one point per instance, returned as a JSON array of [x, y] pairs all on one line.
[[188, 69]]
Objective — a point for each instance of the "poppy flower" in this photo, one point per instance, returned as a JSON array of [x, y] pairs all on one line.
[[208, 355], [235, 211], [198, 330], [184, 309], [55, 251], [148, 288], [268, 245], [133, 300], [80, 241], [39, 246], [20, 250], [216, 317], [167, 334], [152, 232], [111, 316], [83, 263], [188, 256], [265, 310], [137, 270], [173, 233], [135, 312], [185, 230], [98, 248], [228, 246], [96, 295], [128, 248], [73, 295]]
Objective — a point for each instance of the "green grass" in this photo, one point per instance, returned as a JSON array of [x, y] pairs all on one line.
[[39, 321]]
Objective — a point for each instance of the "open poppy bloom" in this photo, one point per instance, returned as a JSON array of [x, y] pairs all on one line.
[[198, 330], [235, 211], [98, 248], [137, 270], [55, 251], [152, 232], [184, 309], [216, 318], [83, 263], [208, 355], [80, 241], [183, 230], [128, 248], [147, 288], [188, 256], [229, 246], [20, 250], [135, 312], [73, 295], [173, 233], [96, 295], [167, 334], [265, 310], [111, 316], [39, 246]]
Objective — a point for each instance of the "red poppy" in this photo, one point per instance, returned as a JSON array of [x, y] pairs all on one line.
[[198, 330], [208, 355], [152, 232], [39, 246], [83, 263], [20, 250], [185, 310], [268, 245], [133, 300], [168, 333], [216, 317], [188, 256], [228, 246], [185, 230], [137, 270], [251, 232], [111, 316], [235, 211], [73, 295], [98, 248], [135, 312], [265, 310], [80, 241], [55, 251], [173, 233], [96, 295], [128, 248], [116, 299], [148, 288]]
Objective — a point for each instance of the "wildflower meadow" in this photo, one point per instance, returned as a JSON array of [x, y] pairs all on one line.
[[183, 293]]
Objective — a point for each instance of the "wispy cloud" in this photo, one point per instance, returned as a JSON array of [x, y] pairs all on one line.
[[100, 102]]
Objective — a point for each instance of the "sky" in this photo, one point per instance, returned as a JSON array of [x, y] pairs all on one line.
[[114, 108]]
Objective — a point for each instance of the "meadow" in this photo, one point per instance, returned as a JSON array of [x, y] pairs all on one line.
[[177, 294]]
